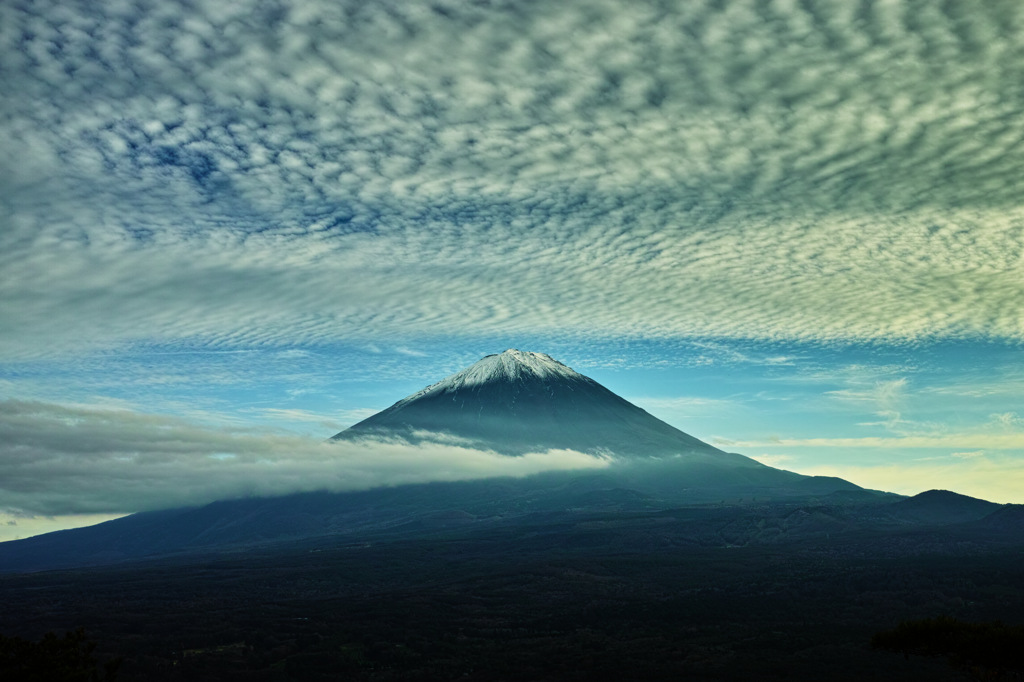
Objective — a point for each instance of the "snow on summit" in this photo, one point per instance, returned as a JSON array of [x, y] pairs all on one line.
[[511, 365], [519, 402]]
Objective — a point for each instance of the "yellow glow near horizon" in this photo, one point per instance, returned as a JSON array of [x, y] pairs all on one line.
[[21, 527]]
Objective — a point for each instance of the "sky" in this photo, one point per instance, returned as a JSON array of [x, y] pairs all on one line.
[[793, 229]]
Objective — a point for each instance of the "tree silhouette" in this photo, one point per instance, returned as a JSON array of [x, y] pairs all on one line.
[[53, 659], [989, 651]]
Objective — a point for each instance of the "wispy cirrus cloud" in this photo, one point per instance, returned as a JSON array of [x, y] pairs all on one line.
[[895, 444], [304, 173]]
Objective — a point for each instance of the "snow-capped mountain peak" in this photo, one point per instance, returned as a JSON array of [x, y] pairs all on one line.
[[511, 365], [517, 402]]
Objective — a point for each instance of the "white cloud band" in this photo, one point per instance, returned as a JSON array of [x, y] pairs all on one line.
[[84, 460]]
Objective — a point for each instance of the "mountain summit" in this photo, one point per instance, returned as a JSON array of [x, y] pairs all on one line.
[[517, 402], [512, 365]]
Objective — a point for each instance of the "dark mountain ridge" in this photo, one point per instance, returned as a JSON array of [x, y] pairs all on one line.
[[232, 525], [943, 507], [512, 403]]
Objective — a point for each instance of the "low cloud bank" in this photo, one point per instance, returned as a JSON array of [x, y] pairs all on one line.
[[57, 460]]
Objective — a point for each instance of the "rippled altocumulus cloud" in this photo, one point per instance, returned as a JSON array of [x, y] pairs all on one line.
[[272, 173]]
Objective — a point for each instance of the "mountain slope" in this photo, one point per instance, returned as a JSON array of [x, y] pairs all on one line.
[[942, 506], [517, 402], [512, 403], [1006, 519]]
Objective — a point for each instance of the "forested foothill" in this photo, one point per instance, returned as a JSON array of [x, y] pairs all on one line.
[[754, 591]]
